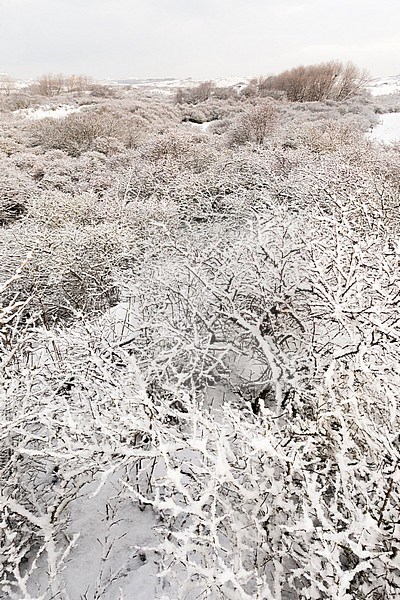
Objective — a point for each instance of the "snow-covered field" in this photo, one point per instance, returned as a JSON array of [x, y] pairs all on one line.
[[44, 111], [386, 85], [199, 347], [173, 83], [388, 129]]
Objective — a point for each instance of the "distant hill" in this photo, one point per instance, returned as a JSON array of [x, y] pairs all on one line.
[[173, 83], [385, 85], [378, 86]]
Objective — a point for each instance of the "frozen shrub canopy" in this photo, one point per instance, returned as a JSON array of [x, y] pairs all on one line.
[[199, 381]]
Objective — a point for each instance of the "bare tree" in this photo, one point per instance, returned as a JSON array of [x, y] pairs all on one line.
[[7, 84], [50, 84], [331, 80], [55, 84]]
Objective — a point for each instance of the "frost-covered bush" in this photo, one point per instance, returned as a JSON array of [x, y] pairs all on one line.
[[387, 103], [301, 179], [195, 95], [55, 170], [184, 149], [329, 136], [16, 187], [255, 125], [107, 145], [211, 110], [71, 269], [16, 101], [51, 84], [9, 146], [56, 209], [57, 427], [259, 87], [265, 483], [203, 185], [359, 111], [150, 110], [79, 132]]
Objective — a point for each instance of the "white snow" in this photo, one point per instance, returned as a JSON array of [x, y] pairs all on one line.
[[170, 84], [110, 526], [388, 130], [202, 126], [122, 322], [44, 111], [387, 85]]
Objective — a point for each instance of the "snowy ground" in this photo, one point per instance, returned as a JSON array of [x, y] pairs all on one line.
[[387, 85], [172, 83], [202, 126], [112, 532], [388, 130], [42, 112]]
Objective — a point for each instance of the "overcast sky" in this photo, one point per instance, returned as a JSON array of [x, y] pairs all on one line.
[[195, 38]]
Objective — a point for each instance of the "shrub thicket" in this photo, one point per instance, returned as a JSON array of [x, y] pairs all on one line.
[[199, 335], [332, 80], [92, 130]]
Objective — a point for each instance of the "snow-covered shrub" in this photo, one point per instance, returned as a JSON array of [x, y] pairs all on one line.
[[387, 103], [9, 146], [280, 480], [72, 269], [78, 132], [195, 95], [260, 87], [107, 145], [255, 125], [56, 209], [51, 84], [211, 110], [16, 187], [329, 136], [153, 111], [55, 170], [358, 111], [184, 149], [103, 91], [72, 421], [202, 185], [16, 101]]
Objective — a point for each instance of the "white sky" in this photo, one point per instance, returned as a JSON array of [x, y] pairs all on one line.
[[195, 38]]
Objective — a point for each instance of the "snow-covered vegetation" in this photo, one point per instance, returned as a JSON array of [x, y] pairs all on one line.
[[199, 345]]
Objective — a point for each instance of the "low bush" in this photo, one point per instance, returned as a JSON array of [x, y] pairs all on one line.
[[329, 136], [255, 125], [70, 270], [16, 188], [78, 133]]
